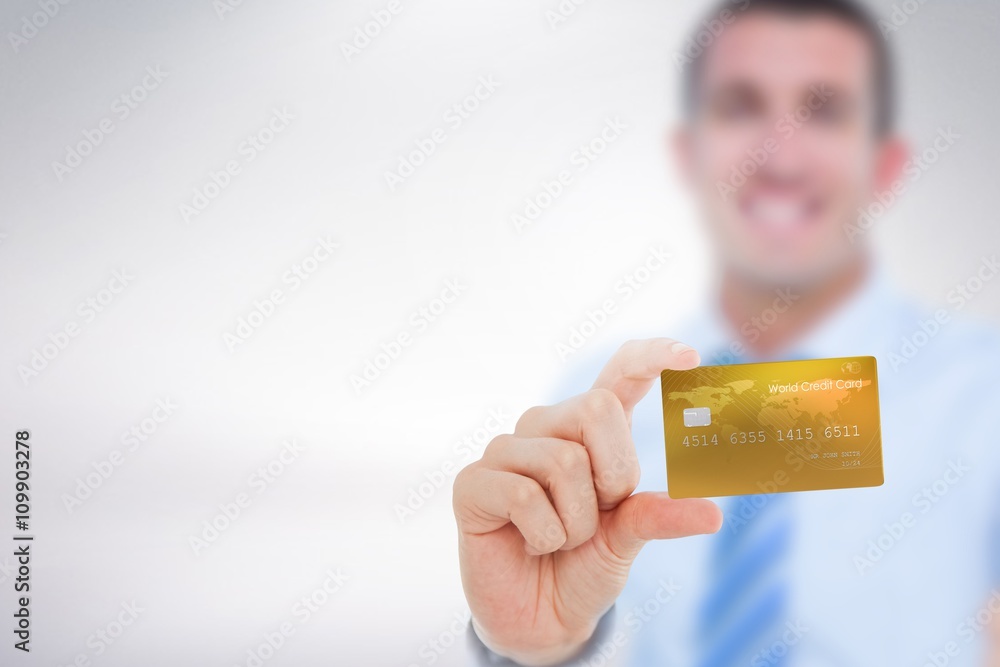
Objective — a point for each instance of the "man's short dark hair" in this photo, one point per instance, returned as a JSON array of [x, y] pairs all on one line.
[[850, 12]]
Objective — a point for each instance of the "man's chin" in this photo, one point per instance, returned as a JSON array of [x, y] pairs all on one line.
[[775, 272]]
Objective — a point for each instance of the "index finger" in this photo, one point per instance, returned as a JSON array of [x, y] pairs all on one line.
[[638, 363]]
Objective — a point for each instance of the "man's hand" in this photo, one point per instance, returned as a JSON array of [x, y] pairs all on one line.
[[548, 525]]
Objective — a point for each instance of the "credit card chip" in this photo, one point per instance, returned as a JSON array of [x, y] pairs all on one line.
[[697, 417]]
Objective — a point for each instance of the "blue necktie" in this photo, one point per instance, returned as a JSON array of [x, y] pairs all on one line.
[[743, 616]]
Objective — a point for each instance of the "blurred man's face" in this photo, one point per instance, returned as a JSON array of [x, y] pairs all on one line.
[[782, 149]]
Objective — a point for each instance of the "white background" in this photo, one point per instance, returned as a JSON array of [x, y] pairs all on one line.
[[163, 335]]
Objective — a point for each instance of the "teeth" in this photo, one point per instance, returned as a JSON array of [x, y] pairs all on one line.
[[782, 213]]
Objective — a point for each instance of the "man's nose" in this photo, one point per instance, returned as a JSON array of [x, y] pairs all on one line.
[[790, 161]]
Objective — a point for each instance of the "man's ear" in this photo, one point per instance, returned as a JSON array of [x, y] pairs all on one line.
[[680, 146], [891, 157]]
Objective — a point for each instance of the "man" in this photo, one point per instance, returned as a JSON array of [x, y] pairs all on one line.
[[788, 136]]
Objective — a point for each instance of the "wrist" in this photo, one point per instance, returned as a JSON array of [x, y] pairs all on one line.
[[541, 654]]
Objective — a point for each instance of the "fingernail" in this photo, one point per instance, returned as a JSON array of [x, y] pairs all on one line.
[[680, 348]]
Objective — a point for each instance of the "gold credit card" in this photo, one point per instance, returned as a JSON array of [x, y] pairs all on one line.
[[772, 427]]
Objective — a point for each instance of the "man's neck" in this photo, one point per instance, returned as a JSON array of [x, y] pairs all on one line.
[[773, 317]]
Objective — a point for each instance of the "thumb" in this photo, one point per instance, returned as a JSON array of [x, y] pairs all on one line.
[[655, 516]]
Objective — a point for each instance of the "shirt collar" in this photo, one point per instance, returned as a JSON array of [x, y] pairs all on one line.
[[849, 330]]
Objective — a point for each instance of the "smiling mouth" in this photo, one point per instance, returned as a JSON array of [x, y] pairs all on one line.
[[780, 215]]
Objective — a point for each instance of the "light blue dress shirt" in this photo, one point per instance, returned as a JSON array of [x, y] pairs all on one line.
[[901, 574]]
